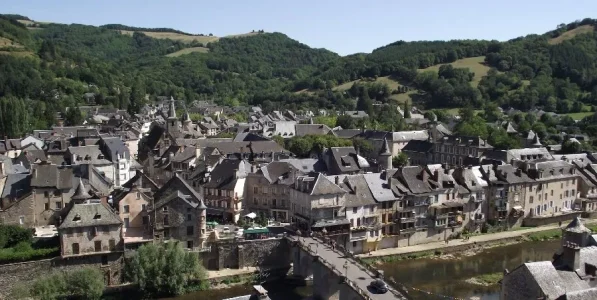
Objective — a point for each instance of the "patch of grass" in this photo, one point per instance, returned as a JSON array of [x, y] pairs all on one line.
[[176, 36], [20, 253], [187, 51], [474, 64], [491, 278], [571, 33], [547, 235], [456, 111], [399, 257], [580, 115]]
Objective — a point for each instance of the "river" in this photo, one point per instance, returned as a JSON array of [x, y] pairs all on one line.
[[438, 276], [447, 276]]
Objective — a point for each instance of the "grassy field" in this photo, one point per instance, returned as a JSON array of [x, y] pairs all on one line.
[[572, 33], [176, 36], [475, 64], [580, 115], [4, 42], [188, 50], [392, 84]]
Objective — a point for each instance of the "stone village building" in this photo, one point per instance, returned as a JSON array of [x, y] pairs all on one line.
[[91, 234]]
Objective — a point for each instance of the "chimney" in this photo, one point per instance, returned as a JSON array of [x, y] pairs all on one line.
[[337, 180], [436, 175], [470, 167], [198, 151], [518, 172], [571, 255]]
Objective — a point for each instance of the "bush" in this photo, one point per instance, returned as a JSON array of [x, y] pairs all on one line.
[[49, 287], [164, 269], [86, 283], [11, 255], [11, 235]]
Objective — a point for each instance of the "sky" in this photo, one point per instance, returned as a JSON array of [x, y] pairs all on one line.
[[345, 27]]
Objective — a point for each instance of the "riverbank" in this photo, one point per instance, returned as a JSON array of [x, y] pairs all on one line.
[[472, 245]]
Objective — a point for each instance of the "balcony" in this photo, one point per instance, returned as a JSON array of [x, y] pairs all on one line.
[[410, 219], [358, 236]]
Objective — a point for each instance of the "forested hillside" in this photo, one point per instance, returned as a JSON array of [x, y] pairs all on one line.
[[45, 67]]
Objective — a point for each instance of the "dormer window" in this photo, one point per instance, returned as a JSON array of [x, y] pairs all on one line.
[[97, 217], [77, 218]]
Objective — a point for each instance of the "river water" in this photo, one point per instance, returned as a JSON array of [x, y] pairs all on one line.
[[447, 276], [437, 276]]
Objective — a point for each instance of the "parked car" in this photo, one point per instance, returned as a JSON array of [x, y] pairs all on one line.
[[378, 286]]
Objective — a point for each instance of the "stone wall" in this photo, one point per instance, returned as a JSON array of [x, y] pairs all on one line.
[[269, 254], [14, 210], [565, 219], [22, 273]]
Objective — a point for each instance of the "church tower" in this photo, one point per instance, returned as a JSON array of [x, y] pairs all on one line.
[[385, 156]]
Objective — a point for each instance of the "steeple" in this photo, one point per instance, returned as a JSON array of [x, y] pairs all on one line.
[[536, 142], [385, 156], [80, 193], [172, 109]]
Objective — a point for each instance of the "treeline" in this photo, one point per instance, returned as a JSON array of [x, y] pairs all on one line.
[[132, 28]]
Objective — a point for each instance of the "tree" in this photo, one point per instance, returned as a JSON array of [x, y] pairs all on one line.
[[346, 122], [164, 269], [14, 120], [73, 116], [406, 110], [136, 98], [279, 140], [364, 103], [570, 147], [400, 160], [86, 283]]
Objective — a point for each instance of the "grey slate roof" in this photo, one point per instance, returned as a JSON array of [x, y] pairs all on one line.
[[222, 176], [114, 146], [324, 186], [577, 226], [88, 155], [89, 214], [16, 185], [51, 176], [378, 185], [418, 146], [311, 129], [358, 193]]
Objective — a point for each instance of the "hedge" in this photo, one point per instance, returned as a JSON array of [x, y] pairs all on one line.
[[9, 255]]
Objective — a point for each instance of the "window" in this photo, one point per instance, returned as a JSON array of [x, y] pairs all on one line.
[[138, 195], [21, 220], [572, 193], [46, 206], [126, 222], [125, 209], [551, 193], [531, 199], [165, 209], [166, 221], [383, 218], [372, 209], [167, 233], [354, 210], [354, 244], [112, 244], [545, 196], [566, 194], [98, 246], [58, 205], [47, 194], [550, 203], [75, 247], [104, 260], [57, 193], [190, 244], [256, 190], [530, 188], [143, 206], [190, 230]]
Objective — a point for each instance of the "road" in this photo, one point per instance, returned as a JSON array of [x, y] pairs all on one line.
[[355, 272], [473, 239]]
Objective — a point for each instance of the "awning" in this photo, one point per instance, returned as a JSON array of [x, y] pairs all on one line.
[[517, 208], [251, 215]]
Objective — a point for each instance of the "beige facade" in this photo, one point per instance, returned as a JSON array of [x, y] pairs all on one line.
[[91, 240], [132, 209], [265, 199]]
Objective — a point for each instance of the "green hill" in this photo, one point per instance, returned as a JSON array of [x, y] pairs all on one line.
[[53, 66]]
